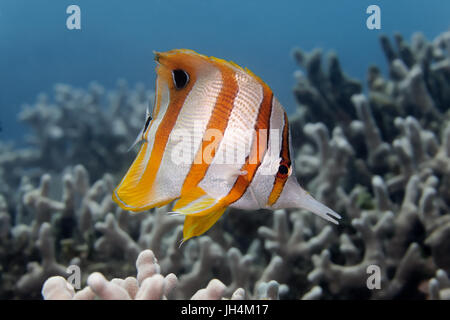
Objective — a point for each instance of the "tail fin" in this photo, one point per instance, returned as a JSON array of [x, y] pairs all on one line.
[[306, 201], [294, 196]]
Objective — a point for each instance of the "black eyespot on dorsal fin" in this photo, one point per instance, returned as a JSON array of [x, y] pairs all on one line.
[[283, 169], [180, 78]]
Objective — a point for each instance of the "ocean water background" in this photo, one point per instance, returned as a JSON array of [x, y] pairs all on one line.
[[117, 39]]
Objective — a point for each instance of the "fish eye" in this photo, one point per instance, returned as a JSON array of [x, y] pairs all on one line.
[[180, 78], [283, 169]]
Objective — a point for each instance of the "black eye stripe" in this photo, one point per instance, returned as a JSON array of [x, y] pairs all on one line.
[[180, 78]]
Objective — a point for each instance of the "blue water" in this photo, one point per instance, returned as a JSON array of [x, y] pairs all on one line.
[[117, 39]]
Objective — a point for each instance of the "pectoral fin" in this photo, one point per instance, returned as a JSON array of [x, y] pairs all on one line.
[[197, 225]]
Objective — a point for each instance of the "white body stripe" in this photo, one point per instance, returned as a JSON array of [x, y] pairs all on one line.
[[151, 131], [237, 138], [187, 135], [290, 194], [259, 190], [164, 105]]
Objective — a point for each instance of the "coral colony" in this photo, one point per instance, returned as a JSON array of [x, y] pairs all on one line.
[[381, 159]]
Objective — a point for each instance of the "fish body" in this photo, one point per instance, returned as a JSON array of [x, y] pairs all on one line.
[[217, 138]]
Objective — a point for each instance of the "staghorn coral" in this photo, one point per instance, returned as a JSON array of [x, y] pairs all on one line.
[[37, 273], [76, 126], [326, 93], [80, 225], [287, 246], [399, 154], [149, 284], [439, 286]]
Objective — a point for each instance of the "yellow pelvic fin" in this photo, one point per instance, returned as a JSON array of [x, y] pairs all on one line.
[[197, 203], [197, 225]]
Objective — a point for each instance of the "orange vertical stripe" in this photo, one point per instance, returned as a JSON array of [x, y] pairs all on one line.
[[156, 107], [218, 121], [280, 179], [261, 127], [161, 138]]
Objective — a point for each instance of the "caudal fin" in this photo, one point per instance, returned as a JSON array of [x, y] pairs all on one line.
[[306, 201]]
